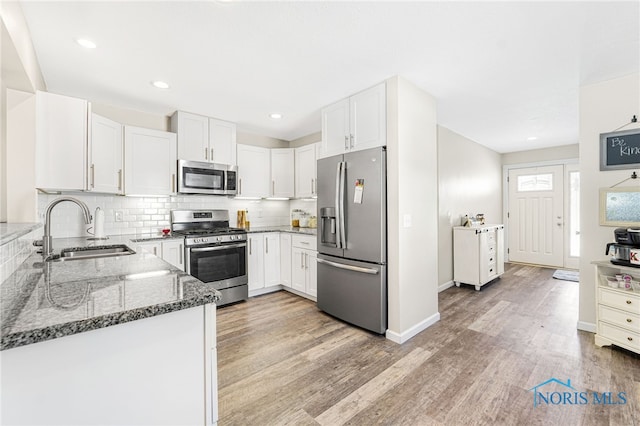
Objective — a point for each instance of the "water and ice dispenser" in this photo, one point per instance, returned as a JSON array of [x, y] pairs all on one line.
[[328, 226]]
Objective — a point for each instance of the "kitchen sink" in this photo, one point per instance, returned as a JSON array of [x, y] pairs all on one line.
[[94, 252]]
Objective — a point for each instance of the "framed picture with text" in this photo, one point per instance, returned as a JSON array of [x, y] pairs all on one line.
[[620, 150]]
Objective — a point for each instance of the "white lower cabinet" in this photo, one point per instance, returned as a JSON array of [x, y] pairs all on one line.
[[285, 259], [304, 264], [264, 260], [171, 251], [255, 261], [271, 259], [478, 254]]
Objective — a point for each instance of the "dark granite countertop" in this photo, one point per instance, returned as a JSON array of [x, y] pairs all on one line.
[[12, 231], [46, 300], [283, 228]]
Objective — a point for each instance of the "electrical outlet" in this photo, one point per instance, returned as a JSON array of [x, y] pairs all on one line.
[[119, 215]]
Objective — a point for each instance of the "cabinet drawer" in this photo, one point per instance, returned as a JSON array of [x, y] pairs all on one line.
[[304, 241], [622, 319], [626, 301], [619, 335]]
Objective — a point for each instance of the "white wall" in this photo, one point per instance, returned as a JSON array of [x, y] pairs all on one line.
[[412, 193], [306, 140], [603, 108], [470, 182], [132, 117], [564, 152], [246, 138]]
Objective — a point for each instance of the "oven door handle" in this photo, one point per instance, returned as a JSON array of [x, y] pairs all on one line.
[[222, 247]]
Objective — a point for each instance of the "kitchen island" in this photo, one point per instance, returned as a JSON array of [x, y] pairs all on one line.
[[115, 340]]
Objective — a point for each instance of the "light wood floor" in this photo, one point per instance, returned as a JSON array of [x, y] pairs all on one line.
[[283, 362]]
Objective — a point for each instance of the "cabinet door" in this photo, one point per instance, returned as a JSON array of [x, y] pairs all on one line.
[[285, 259], [335, 129], [222, 142], [306, 171], [311, 263], [256, 261], [282, 171], [193, 135], [271, 259], [61, 142], [298, 270], [500, 251], [150, 161], [173, 252], [254, 170], [368, 118], [151, 247], [105, 156]]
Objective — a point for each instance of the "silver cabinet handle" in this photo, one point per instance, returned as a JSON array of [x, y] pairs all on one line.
[[206, 153], [173, 182], [301, 260], [349, 267], [211, 154], [239, 186], [155, 251], [266, 242], [93, 175], [312, 186], [180, 254], [120, 180], [250, 241], [273, 187], [351, 138]]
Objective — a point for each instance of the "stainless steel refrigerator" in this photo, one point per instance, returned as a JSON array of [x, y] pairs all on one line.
[[352, 238]]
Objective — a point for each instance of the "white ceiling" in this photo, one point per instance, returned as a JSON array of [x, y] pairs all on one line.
[[501, 71]]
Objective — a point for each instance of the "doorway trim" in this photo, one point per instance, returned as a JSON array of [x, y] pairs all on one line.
[[505, 192]]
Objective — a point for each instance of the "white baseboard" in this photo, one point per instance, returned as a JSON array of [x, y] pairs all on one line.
[[299, 293], [443, 287], [261, 291], [587, 326], [408, 334]]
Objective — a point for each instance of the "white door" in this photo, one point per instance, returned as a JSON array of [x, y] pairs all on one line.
[[305, 165], [222, 141], [335, 128], [150, 161], [193, 136], [254, 170], [282, 170], [105, 156], [536, 215], [368, 118], [255, 261], [271, 259]]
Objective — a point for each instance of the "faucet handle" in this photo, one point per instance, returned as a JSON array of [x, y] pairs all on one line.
[[37, 243]]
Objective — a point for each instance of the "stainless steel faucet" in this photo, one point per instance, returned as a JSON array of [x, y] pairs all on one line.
[[46, 238]]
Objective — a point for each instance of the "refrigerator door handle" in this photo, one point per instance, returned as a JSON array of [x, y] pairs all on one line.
[[343, 233], [349, 267], [337, 204]]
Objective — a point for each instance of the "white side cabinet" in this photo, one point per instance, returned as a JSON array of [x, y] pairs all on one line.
[[105, 156], [617, 309], [478, 254], [304, 264], [203, 138], [271, 259], [255, 261], [254, 170], [61, 142], [150, 161], [282, 173], [356, 123], [305, 171]]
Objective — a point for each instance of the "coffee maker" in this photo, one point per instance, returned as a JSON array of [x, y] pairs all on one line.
[[626, 250]]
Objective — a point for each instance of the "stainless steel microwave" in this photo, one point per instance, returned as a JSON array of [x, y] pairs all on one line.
[[197, 177]]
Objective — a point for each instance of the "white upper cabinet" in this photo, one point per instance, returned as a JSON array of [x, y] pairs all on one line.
[[356, 123], [202, 138], [222, 142], [105, 156], [61, 142], [282, 173], [150, 161], [305, 171], [254, 170]]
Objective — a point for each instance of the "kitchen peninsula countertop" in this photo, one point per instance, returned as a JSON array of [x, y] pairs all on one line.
[[283, 228], [46, 300], [12, 231]]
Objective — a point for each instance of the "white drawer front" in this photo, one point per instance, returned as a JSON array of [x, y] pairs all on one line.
[[627, 301], [304, 241], [619, 335], [622, 319]]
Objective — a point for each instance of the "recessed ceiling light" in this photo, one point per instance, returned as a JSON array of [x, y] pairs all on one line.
[[86, 43], [160, 84], [532, 138], [275, 115]]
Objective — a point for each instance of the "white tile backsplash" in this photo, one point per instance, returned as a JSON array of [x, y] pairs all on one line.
[[144, 215], [16, 251]]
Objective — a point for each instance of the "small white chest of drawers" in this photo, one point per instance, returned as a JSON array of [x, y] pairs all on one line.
[[478, 254], [617, 310]]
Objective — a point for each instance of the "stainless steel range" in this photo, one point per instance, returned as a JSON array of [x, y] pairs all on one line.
[[215, 253]]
